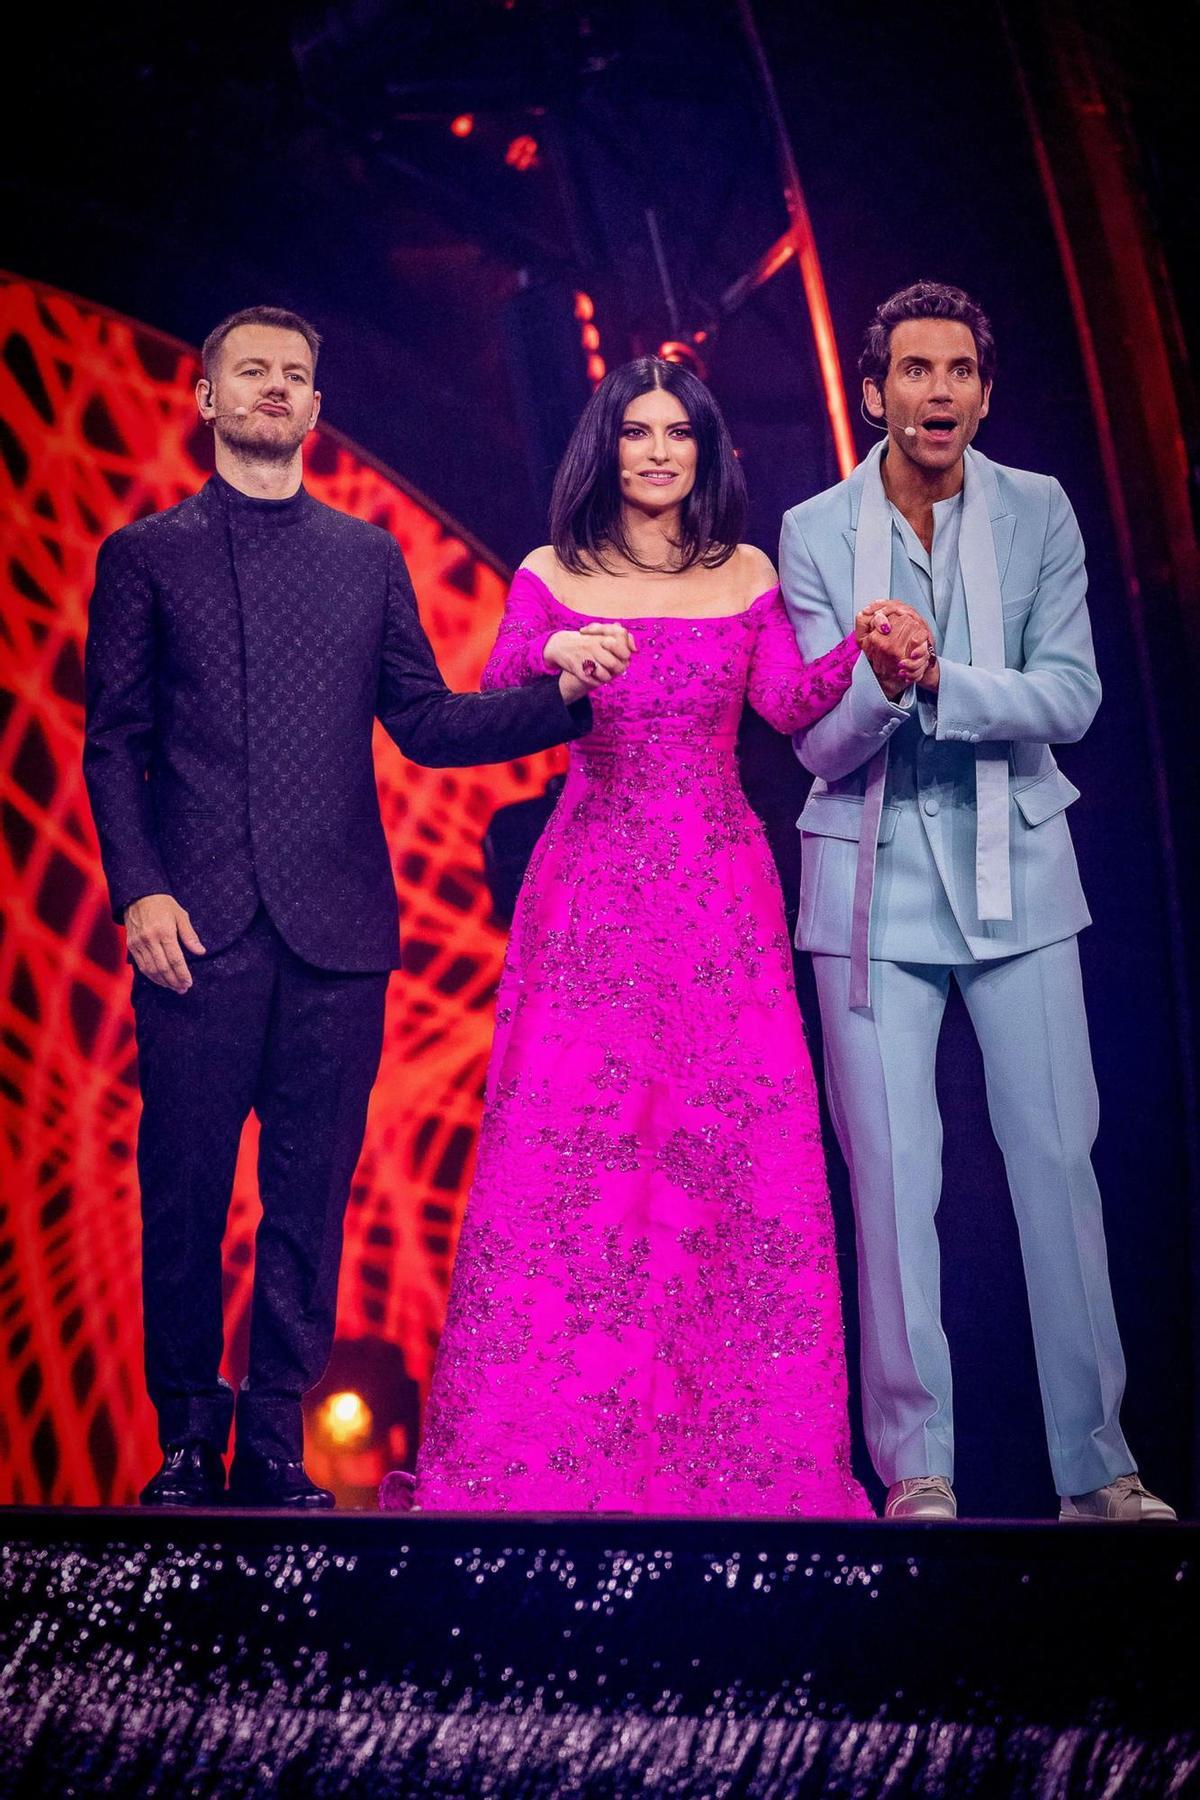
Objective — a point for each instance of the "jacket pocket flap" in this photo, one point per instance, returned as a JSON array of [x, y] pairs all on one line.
[[840, 816], [1039, 800]]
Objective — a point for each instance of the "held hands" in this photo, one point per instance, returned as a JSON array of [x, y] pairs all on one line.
[[896, 642], [156, 927], [589, 657]]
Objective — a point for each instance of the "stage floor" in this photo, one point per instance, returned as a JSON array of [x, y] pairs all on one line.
[[236, 1653]]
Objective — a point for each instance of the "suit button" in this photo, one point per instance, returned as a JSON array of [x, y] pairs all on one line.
[[931, 807]]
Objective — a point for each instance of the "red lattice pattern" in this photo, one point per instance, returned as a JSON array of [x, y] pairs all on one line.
[[97, 427]]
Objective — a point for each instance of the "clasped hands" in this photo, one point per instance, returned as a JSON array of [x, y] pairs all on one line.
[[898, 644], [892, 635], [597, 653]]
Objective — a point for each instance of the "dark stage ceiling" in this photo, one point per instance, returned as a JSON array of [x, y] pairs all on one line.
[[176, 164]]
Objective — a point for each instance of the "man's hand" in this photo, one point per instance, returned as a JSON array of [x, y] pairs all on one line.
[[596, 653], [895, 640], [156, 927]]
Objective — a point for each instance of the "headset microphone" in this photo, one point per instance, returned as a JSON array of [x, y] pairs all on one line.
[[881, 424], [910, 431]]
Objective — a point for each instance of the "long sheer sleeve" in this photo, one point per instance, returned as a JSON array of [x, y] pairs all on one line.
[[516, 658], [787, 691]]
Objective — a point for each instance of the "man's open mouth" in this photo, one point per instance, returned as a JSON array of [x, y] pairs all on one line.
[[939, 427]]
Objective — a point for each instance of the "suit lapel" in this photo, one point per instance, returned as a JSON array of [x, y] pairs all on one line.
[[872, 541], [1004, 529], [978, 564]]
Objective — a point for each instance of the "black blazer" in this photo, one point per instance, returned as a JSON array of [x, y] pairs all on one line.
[[238, 652]]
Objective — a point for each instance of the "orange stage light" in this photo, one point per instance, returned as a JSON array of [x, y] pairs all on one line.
[[589, 337], [522, 153], [345, 1420], [463, 125], [676, 351]]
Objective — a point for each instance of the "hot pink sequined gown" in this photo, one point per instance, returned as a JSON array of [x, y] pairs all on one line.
[[645, 1312]]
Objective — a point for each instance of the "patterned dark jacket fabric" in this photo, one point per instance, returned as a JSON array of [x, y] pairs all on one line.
[[238, 653]]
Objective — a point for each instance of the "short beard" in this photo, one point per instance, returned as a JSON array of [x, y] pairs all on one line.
[[240, 437]]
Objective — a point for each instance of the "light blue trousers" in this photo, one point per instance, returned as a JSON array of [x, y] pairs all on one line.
[[1028, 1015]]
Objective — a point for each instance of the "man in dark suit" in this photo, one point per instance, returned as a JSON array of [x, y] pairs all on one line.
[[240, 646]]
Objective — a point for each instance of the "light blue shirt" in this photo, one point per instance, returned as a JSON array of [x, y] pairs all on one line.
[[938, 570]]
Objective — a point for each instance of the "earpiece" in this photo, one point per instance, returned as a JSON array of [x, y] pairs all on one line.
[[872, 421]]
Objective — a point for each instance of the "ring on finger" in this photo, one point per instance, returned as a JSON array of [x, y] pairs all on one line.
[[588, 665]]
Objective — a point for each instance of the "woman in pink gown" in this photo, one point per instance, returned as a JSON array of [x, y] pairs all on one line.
[[645, 1311]]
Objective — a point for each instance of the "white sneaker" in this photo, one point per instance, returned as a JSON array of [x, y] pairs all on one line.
[[1124, 1500], [921, 1497]]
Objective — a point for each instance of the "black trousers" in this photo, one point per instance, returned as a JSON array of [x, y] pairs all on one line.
[[258, 1029]]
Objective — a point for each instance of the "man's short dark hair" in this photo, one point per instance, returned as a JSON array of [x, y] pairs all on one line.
[[278, 316], [925, 300]]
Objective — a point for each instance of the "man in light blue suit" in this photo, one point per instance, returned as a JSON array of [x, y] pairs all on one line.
[[936, 848]]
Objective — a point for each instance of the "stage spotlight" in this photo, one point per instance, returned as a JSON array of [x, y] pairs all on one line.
[[345, 1420], [463, 125], [589, 337], [674, 351], [522, 153]]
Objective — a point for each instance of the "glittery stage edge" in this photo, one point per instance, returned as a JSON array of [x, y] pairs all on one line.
[[221, 1654]]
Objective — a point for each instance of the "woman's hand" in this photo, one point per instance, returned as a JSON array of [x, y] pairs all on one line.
[[888, 617], [597, 653], [897, 643]]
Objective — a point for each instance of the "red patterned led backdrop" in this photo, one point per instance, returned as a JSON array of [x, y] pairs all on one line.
[[97, 427]]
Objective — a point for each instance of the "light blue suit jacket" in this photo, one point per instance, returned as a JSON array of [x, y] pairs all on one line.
[[925, 907]]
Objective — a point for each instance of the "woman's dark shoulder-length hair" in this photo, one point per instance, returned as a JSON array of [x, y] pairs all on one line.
[[585, 507]]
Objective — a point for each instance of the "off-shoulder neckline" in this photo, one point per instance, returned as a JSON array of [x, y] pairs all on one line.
[[646, 618]]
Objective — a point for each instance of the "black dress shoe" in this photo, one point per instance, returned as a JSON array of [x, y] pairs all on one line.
[[260, 1481], [192, 1475]]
